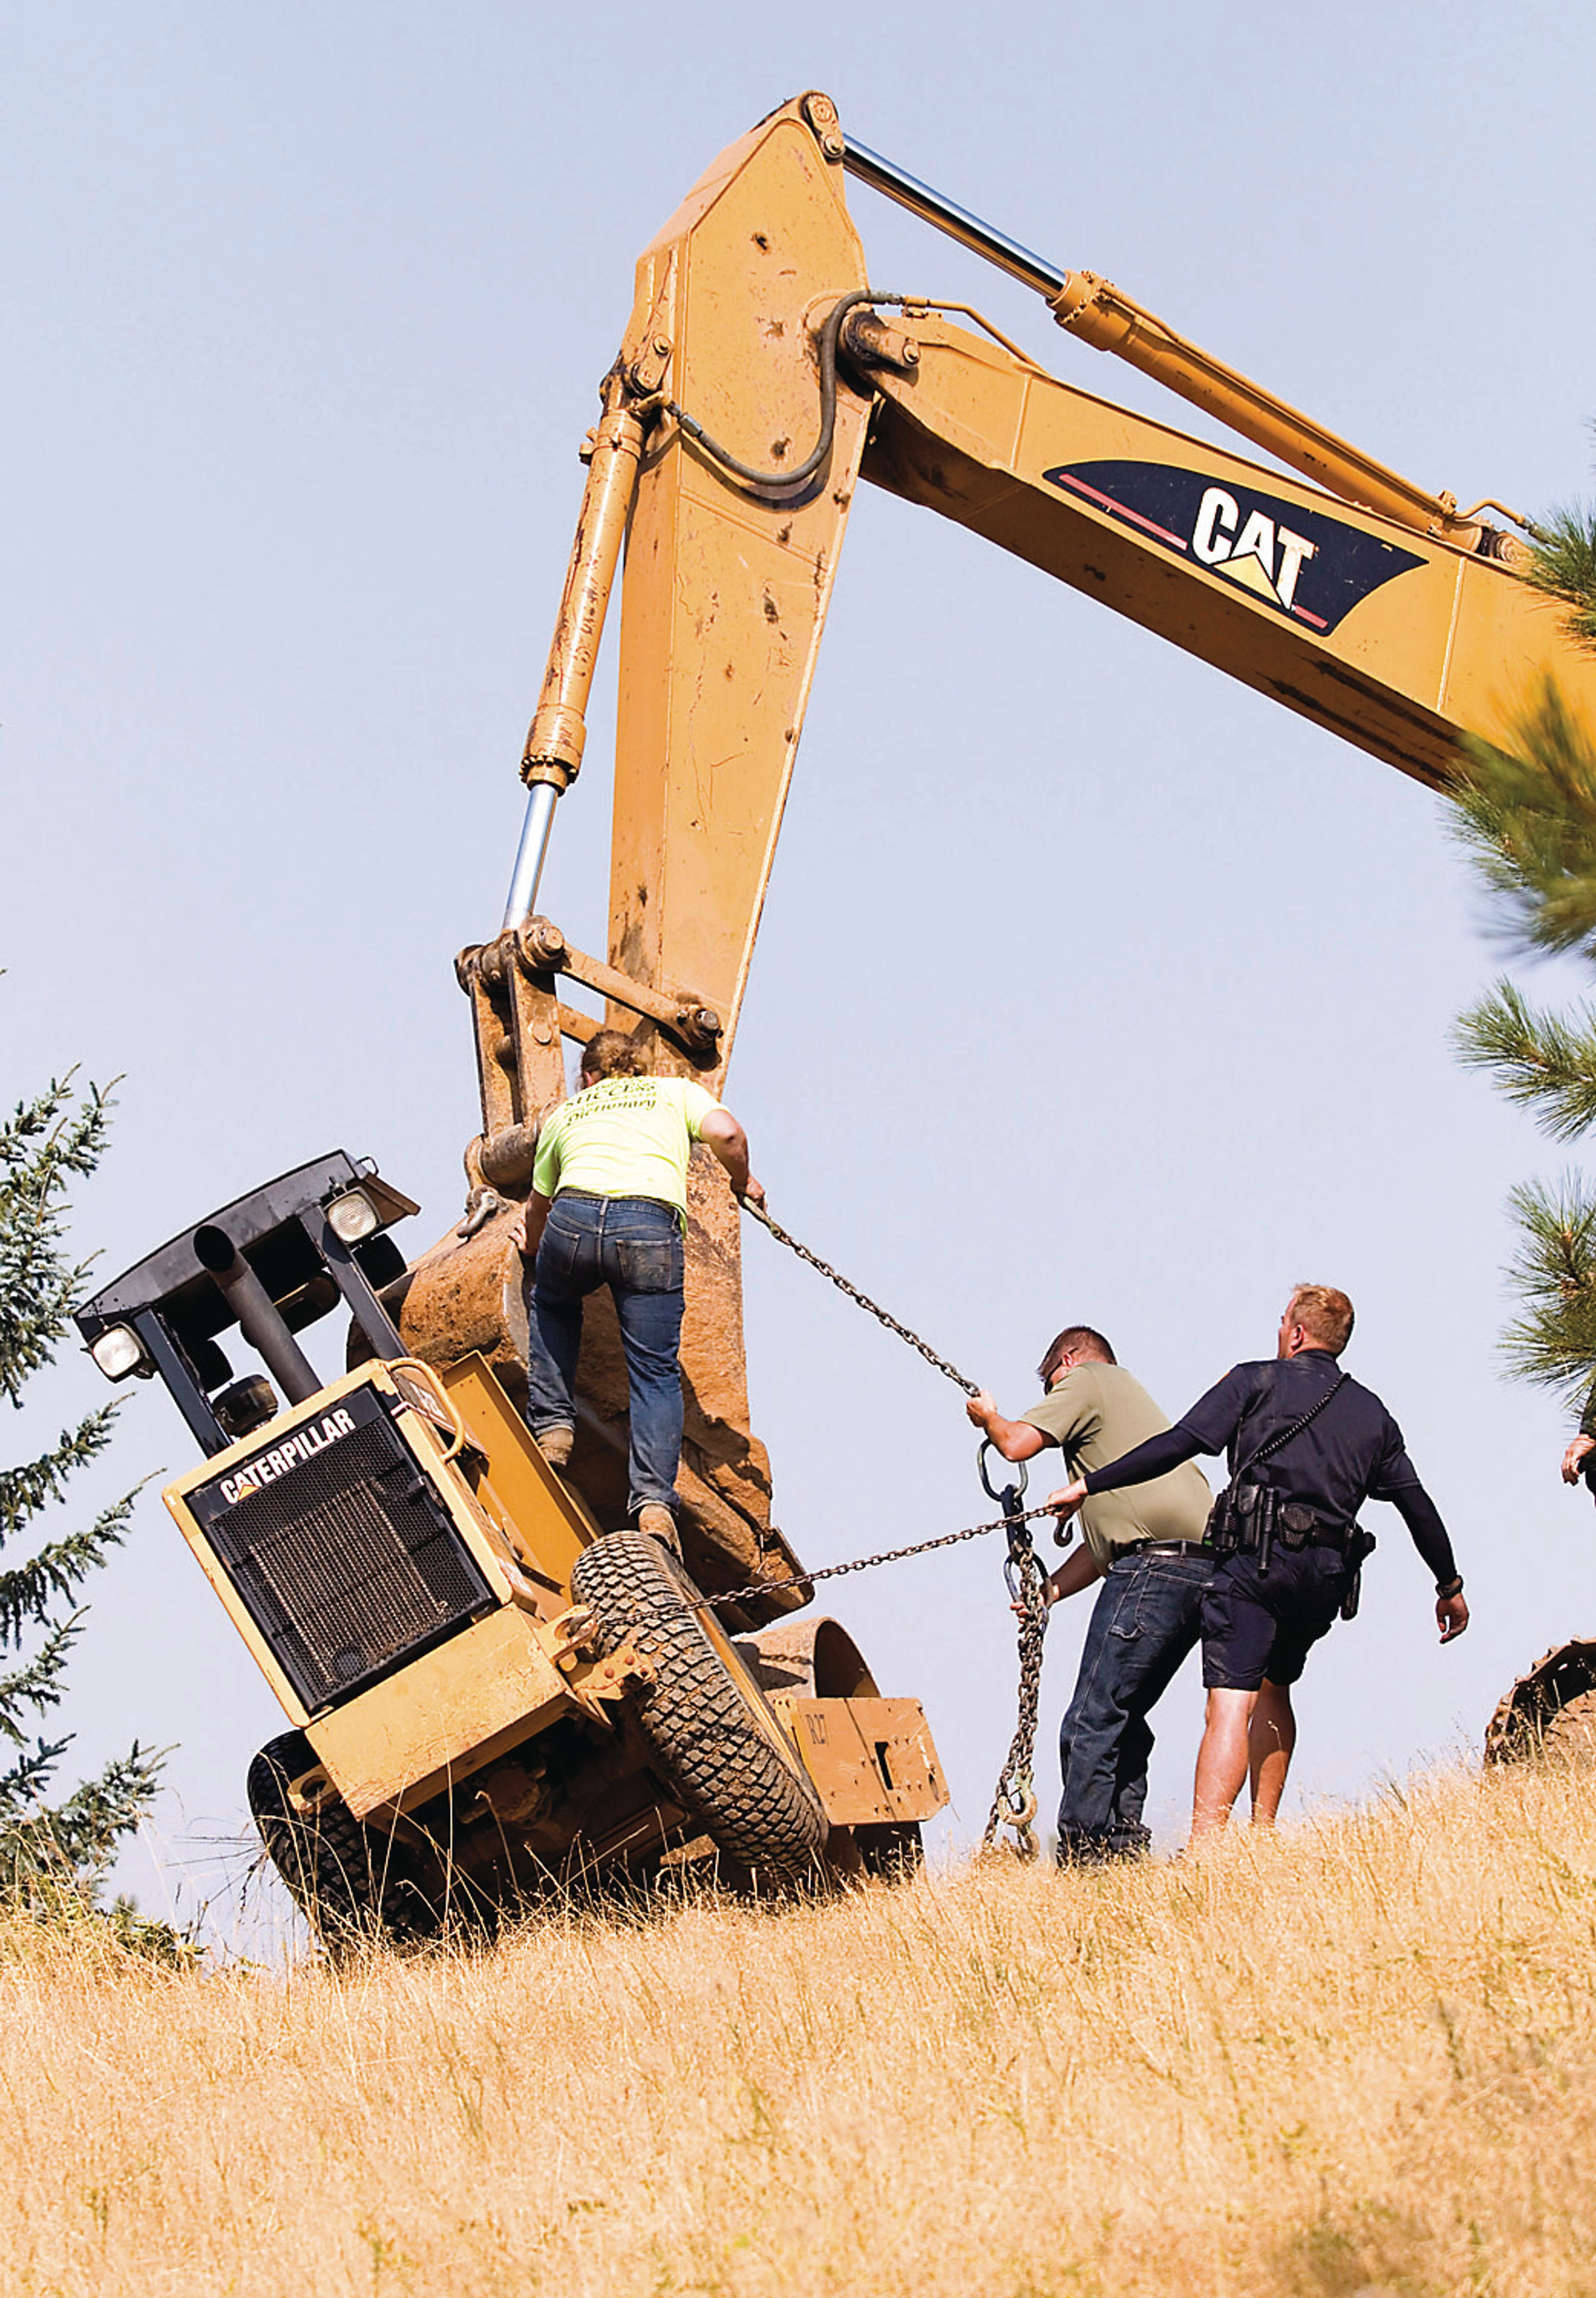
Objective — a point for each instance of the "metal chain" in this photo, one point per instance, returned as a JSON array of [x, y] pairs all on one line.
[[832, 1571], [1015, 1799], [950, 1372]]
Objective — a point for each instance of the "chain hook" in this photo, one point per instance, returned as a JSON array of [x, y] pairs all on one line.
[[1010, 1498], [1020, 1798]]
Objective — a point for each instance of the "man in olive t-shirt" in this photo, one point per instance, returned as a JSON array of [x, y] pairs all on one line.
[[608, 1206], [1149, 1556]]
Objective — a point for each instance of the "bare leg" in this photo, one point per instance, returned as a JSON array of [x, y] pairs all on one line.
[[1271, 1735], [1221, 1759]]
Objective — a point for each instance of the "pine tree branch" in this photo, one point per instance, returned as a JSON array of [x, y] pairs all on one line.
[[37, 1684], [51, 1857], [45, 1139], [28, 1590], [1527, 811], [1553, 1272], [75, 1840], [96, 1816], [1544, 1061], [22, 1788], [44, 1143], [1527, 817], [25, 1490], [1563, 565]]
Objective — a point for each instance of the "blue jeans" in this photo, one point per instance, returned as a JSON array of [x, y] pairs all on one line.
[[1147, 1618], [633, 1245]]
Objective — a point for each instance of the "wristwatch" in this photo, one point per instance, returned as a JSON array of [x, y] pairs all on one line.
[[1445, 1589]]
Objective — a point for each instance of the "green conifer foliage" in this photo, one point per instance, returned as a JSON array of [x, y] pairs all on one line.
[[1564, 566], [1527, 816], [52, 1852]]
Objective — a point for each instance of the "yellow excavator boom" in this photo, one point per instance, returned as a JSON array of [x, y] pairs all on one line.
[[760, 376]]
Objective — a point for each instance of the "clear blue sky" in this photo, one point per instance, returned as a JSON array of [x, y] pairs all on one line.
[[1134, 994]]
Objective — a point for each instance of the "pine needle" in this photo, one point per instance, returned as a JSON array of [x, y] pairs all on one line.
[[1525, 815], [1563, 565], [1546, 1061], [1553, 1273], [51, 1854]]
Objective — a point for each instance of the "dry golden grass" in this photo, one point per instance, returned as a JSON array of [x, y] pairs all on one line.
[[1364, 2055]]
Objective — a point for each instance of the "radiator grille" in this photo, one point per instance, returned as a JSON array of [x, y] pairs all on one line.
[[347, 1562]]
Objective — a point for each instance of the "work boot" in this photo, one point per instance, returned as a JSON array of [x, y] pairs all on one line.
[[660, 1523], [555, 1445]]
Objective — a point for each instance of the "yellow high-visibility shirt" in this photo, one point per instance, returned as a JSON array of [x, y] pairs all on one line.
[[625, 1137]]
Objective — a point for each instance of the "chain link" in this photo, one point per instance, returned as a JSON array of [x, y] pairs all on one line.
[[950, 1372], [1015, 1799], [831, 1572]]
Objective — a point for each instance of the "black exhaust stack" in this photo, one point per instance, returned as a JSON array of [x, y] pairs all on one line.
[[259, 1320]]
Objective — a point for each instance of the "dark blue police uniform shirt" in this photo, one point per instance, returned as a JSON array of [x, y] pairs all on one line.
[[1352, 1453]]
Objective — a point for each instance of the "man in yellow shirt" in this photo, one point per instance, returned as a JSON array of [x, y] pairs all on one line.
[[608, 1206]]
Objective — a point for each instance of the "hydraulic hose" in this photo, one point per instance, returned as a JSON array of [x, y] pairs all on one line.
[[783, 481]]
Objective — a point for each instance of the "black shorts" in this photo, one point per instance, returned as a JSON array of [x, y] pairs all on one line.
[[1258, 1624]]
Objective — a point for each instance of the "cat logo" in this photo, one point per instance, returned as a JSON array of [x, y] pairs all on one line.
[[302, 1444], [1250, 556], [1291, 557]]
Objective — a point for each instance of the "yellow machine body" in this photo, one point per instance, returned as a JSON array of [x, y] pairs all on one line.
[[453, 1719], [1335, 587]]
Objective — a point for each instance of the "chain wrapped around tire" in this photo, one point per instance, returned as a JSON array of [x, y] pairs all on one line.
[[351, 1883], [717, 1740]]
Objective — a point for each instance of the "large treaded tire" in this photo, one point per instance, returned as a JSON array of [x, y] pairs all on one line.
[[1569, 1733], [1548, 1708], [717, 1737], [351, 1882]]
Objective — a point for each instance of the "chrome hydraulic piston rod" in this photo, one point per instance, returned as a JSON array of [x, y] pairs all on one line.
[[530, 853], [1094, 309], [883, 175], [552, 758]]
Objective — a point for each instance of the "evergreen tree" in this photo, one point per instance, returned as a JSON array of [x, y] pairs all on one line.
[[1526, 815], [52, 1854]]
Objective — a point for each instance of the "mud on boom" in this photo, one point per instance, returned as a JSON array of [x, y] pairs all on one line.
[[483, 1683]]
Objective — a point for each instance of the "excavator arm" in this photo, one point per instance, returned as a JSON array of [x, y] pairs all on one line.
[[759, 378], [1350, 595], [1398, 644]]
